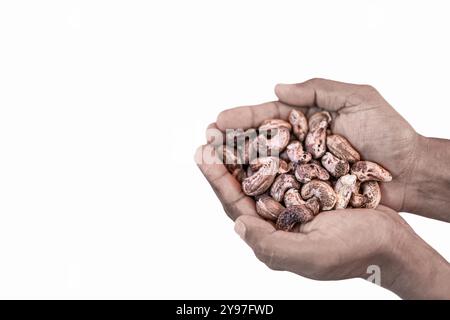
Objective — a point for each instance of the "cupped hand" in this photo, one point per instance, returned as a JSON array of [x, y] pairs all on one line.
[[364, 117], [335, 245]]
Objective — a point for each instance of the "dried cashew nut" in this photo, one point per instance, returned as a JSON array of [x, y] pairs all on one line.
[[271, 124], [268, 208], [279, 139], [318, 117], [296, 154], [289, 217], [341, 148], [335, 166], [357, 199], [367, 171], [310, 171], [372, 194], [282, 183], [293, 198], [344, 188], [313, 204], [323, 191], [299, 124], [260, 181]]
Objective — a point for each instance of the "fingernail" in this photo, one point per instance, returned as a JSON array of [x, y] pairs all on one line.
[[239, 227]]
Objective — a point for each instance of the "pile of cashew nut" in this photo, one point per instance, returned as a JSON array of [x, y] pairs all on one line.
[[297, 169]]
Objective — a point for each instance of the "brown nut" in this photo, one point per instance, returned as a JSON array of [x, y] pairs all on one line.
[[260, 181], [310, 171], [367, 171], [282, 183], [228, 157], [289, 217], [357, 199], [299, 124], [341, 148], [344, 188], [315, 142], [296, 154], [293, 198], [284, 167], [335, 166], [279, 139], [323, 191], [372, 193], [245, 145], [268, 208], [318, 117], [313, 204], [255, 164], [274, 124]]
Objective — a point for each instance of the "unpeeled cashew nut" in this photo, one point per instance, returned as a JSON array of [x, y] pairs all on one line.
[[268, 208], [274, 124], [313, 204], [260, 181], [367, 171], [341, 148], [335, 166], [344, 188], [293, 198], [315, 141], [289, 217], [296, 154], [323, 191], [357, 199], [310, 171], [318, 117], [299, 124], [282, 183], [231, 162], [279, 139], [372, 193]]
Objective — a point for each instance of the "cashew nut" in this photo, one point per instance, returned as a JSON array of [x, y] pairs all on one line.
[[307, 172], [372, 194], [341, 148], [335, 166], [282, 183], [289, 217], [296, 154], [299, 124], [268, 208], [344, 188], [293, 198], [367, 170], [260, 181], [313, 204], [323, 191]]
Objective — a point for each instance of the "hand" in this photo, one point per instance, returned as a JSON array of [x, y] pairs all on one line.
[[384, 239], [375, 129], [344, 244]]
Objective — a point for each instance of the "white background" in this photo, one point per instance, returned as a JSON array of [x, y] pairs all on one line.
[[103, 103]]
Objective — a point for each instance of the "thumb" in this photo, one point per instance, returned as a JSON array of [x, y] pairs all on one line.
[[326, 94]]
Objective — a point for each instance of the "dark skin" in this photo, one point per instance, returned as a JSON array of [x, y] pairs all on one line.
[[340, 244]]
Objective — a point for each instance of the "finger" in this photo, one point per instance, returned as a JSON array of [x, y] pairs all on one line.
[[327, 94], [279, 250], [386, 209], [252, 116], [214, 135], [226, 187]]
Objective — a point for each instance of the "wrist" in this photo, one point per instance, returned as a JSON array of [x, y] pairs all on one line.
[[415, 270], [427, 191]]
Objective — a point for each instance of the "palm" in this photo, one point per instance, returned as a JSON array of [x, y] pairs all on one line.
[[382, 135]]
